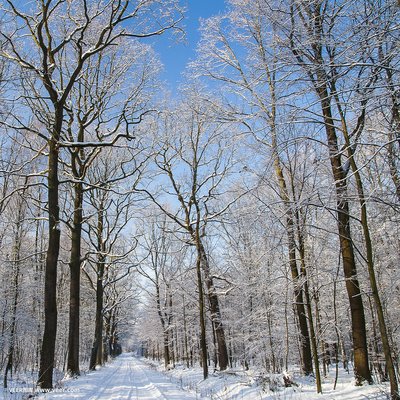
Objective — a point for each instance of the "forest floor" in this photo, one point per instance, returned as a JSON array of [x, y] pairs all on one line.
[[130, 378], [237, 384]]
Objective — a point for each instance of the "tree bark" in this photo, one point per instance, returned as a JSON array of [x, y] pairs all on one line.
[[394, 132], [185, 333], [96, 357], [313, 338], [203, 340], [361, 365], [165, 327], [16, 271], [75, 278], [394, 389], [45, 379], [223, 359], [305, 346], [320, 80]]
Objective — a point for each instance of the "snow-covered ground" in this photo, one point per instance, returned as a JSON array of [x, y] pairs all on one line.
[[125, 378], [130, 378], [249, 385]]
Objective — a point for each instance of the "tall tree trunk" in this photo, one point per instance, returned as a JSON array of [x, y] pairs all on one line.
[[16, 271], [361, 365], [165, 322], [305, 346], [39, 245], [75, 278], [171, 338], [203, 340], [167, 357], [47, 353], [300, 223], [320, 80], [377, 365], [287, 335], [394, 132], [392, 157], [215, 310], [99, 351], [113, 342], [271, 342], [185, 333], [395, 100], [313, 338], [335, 316], [106, 351], [394, 389], [96, 357], [215, 352], [171, 342]]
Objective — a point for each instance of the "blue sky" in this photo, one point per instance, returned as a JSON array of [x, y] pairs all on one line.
[[174, 55]]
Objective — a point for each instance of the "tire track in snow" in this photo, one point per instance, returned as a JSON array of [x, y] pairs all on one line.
[[126, 378], [106, 384], [144, 387]]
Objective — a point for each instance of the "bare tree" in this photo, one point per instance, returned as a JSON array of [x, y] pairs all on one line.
[[195, 157]]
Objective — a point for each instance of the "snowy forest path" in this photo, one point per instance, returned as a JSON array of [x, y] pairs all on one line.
[[125, 378]]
